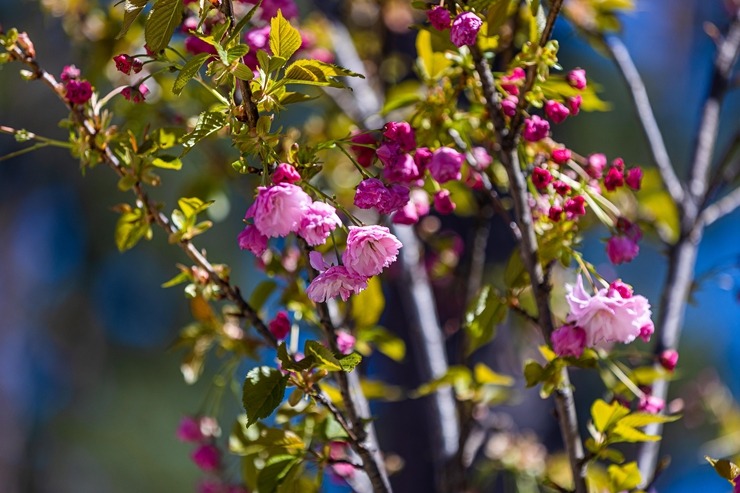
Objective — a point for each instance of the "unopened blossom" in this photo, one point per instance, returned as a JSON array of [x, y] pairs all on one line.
[[574, 104], [541, 178], [446, 164], [560, 155], [77, 91], [251, 239], [606, 316], [556, 111], [189, 430], [422, 158], [555, 213], [345, 342], [439, 17], [646, 331], [125, 64], [207, 457], [508, 105], [651, 404], [70, 72], [285, 173], [618, 163], [370, 249], [595, 164], [634, 178], [280, 326], [317, 223], [364, 154], [335, 281], [575, 207], [613, 179], [402, 134], [278, 210], [510, 83], [620, 288], [561, 188], [568, 340], [135, 94], [443, 202], [401, 169], [669, 359], [621, 249], [535, 129], [577, 78], [464, 30]]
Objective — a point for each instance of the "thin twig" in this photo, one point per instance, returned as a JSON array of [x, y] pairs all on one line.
[[251, 112], [726, 205]]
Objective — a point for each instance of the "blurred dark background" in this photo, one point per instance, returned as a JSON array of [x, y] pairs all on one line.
[[90, 395]]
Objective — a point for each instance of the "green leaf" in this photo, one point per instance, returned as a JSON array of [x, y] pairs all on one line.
[[637, 420], [383, 340], [432, 63], [264, 388], [289, 364], [131, 227], [624, 478], [533, 373], [350, 361], [323, 355], [624, 433], [209, 122], [606, 415], [261, 293], [192, 206], [367, 307], [314, 72], [242, 72], [284, 38], [188, 71], [167, 162], [131, 10], [460, 377], [724, 468], [484, 375], [482, 317], [515, 275], [274, 472], [164, 18]]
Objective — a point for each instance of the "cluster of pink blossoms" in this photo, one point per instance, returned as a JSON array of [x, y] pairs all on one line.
[[76, 90], [463, 30]]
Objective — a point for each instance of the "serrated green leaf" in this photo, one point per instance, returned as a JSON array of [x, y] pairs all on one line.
[[209, 122], [284, 38], [322, 355], [164, 18], [167, 162], [624, 477], [131, 10], [606, 415], [484, 375], [264, 388], [623, 433], [636, 420], [314, 72], [131, 227], [188, 71], [350, 361], [192, 206], [242, 72], [289, 364], [724, 468], [274, 472], [482, 317]]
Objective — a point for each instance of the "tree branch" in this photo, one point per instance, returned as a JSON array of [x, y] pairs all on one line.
[[721, 208], [649, 126], [251, 112]]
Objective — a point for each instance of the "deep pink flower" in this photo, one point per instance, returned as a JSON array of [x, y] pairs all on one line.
[[333, 282], [577, 78], [510, 83], [270, 8], [446, 164], [606, 316], [370, 249], [207, 457], [369, 193], [541, 178], [613, 179], [669, 359], [556, 111], [443, 203], [318, 221], [574, 104], [568, 340], [634, 178], [195, 46], [508, 105], [555, 213], [535, 129], [399, 166], [620, 288], [575, 207], [400, 133], [595, 164], [621, 249], [629, 229], [398, 196], [257, 39], [135, 94], [251, 239], [345, 342], [646, 331], [70, 72], [285, 173], [416, 207], [189, 430], [77, 91], [560, 155], [465, 29], [365, 155], [422, 158], [278, 210], [651, 404], [439, 17], [280, 326], [124, 63], [561, 188]]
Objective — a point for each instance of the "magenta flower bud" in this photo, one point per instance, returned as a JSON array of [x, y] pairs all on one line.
[[345, 342], [574, 104], [619, 288], [124, 63], [556, 111], [541, 178], [207, 457], [575, 207], [318, 221], [634, 178], [568, 340], [78, 91], [465, 29], [285, 173], [510, 83], [560, 155], [402, 134], [280, 326], [135, 94], [439, 17], [561, 188], [443, 203], [577, 78], [370, 249], [335, 281], [535, 129], [365, 155], [629, 229], [69, 72], [251, 239], [508, 105], [614, 179], [189, 430], [422, 158], [555, 213], [669, 359], [595, 164], [446, 164], [621, 249], [651, 404]]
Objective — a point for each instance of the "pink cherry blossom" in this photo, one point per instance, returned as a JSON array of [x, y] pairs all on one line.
[[400, 133], [251, 239], [440, 18], [278, 210], [280, 326], [621, 249], [446, 164], [669, 359], [285, 173], [345, 342], [70, 72], [465, 29], [606, 316], [77, 91], [189, 430], [568, 340], [577, 78], [651, 404], [335, 281], [318, 221], [634, 178], [613, 179], [556, 111], [535, 129], [370, 249], [595, 164], [443, 203], [560, 155], [541, 178], [574, 104], [508, 105], [365, 155], [401, 168], [207, 457]]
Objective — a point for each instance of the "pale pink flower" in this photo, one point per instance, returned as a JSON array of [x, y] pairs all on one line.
[[482, 159], [606, 316], [568, 340], [465, 29], [278, 210], [446, 164], [285, 173], [251, 239], [345, 342], [370, 249], [319, 220], [335, 281]]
